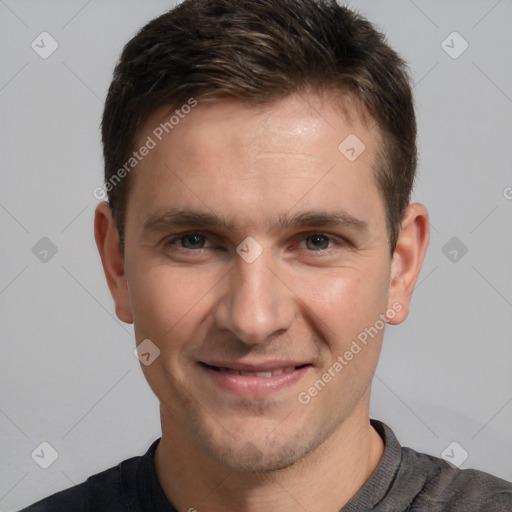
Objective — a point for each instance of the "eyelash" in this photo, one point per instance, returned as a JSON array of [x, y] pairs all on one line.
[[337, 241]]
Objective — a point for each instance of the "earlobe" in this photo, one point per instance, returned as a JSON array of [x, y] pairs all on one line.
[[407, 260], [109, 247]]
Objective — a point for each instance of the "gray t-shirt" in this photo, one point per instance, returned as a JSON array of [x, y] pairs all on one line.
[[404, 481]]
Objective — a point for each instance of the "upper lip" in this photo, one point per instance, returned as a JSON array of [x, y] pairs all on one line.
[[255, 366]]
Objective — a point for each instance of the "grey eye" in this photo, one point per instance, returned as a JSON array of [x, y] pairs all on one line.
[[193, 241], [318, 242]]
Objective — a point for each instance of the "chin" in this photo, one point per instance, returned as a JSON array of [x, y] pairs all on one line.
[[250, 458], [253, 453]]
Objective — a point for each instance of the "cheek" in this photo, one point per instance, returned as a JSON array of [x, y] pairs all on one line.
[[347, 309], [168, 302], [353, 291], [347, 301]]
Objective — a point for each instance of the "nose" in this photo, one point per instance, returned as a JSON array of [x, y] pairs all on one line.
[[255, 305]]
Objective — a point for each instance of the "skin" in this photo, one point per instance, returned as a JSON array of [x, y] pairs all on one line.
[[304, 299]]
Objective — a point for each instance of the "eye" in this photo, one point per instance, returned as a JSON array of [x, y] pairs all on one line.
[[193, 241], [188, 241], [317, 241], [320, 242]]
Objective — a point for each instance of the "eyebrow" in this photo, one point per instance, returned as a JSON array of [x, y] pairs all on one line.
[[180, 218]]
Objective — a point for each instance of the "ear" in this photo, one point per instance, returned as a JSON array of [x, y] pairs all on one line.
[[109, 247], [407, 260]]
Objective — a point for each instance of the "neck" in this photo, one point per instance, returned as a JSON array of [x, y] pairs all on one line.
[[334, 472]]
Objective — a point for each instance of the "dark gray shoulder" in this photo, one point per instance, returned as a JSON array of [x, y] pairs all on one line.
[[112, 490], [73, 498], [471, 489], [448, 488]]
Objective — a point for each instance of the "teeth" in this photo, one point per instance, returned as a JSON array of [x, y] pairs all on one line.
[[264, 374]]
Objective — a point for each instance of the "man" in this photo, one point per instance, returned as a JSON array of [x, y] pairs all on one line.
[[259, 161]]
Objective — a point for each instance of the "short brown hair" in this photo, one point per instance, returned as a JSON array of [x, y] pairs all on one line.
[[259, 51]]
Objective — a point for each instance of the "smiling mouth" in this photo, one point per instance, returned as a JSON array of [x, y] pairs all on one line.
[[259, 373]]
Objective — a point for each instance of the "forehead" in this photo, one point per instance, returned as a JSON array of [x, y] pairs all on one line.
[[297, 119], [224, 154]]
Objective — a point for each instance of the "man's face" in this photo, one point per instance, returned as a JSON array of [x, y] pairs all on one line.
[[274, 174]]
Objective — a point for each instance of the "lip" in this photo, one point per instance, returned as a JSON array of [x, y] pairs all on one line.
[[255, 366], [226, 376]]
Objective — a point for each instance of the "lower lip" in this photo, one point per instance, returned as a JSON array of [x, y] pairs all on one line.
[[254, 386]]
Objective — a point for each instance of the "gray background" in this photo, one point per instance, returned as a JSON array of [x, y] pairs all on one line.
[[67, 372]]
